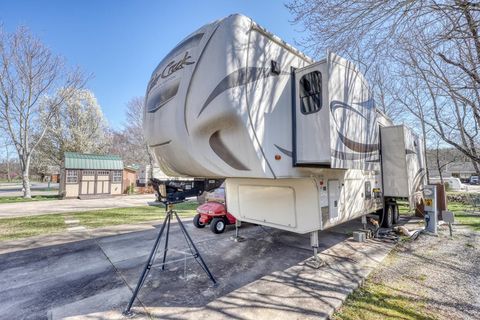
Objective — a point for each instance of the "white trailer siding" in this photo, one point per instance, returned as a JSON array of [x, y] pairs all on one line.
[[297, 141], [403, 163]]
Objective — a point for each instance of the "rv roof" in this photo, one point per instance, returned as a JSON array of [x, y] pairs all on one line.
[[279, 41]]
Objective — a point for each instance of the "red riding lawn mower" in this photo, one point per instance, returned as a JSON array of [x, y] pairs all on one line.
[[214, 212]]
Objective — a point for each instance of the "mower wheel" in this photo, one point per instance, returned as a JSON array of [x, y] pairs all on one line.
[[218, 225], [196, 221]]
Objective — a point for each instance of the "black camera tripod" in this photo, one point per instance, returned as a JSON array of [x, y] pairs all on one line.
[[195, 254]]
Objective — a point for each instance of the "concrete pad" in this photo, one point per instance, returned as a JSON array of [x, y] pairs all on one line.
[[299, 292], [72, 221], [76, 228]]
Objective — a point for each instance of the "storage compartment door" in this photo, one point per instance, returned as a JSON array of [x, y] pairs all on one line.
[[333, 198], [311, 117]]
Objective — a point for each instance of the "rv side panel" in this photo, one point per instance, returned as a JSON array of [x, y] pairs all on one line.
[[353, 117], [403, 163], [394, 165]]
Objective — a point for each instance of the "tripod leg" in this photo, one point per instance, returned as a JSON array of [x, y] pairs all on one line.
[[166, 242], [197, 254], [147, 268]]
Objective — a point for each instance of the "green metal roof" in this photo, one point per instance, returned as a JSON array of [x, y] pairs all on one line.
[[74, 160]]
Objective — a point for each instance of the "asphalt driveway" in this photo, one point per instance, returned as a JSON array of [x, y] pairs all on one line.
[[261, 278]]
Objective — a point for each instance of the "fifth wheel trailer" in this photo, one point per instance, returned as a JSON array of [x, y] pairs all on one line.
[[299, 142]]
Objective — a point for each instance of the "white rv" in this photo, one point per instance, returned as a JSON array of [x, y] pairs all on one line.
[[300, 142]]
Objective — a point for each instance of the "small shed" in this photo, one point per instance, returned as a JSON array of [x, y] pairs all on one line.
[[90, 175], [129, 177]]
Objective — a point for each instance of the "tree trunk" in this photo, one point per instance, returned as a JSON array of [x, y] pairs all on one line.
[[150, 161], [26, 185], [439, 167], [9, 176], [424, 133], [475, 166], [27, 193]]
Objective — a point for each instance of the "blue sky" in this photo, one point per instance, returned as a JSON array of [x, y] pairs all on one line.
[[120, 42]]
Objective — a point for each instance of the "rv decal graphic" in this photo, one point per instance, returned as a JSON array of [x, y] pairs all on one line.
[[334, 105], [174, 66], [238, 78], [224, 153], [356, 146], [352, 156], [284, 151], [160, 144]]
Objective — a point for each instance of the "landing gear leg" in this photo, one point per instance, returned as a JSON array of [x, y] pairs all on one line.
[[315, 261], [237, 238], [364, 222]]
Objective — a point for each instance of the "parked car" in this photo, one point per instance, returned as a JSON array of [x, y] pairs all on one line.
[[474, 180], [451, 183]]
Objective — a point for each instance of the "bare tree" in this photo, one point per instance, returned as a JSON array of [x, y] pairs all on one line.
[[430, 51], [30, 75], [5, 146], [130, 142]]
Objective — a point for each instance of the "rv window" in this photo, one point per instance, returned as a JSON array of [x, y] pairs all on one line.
[[311, 92], [368, 190]]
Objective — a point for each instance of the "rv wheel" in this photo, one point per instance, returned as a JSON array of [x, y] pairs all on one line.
[[196, 221], [218, 225], [388, 217], [396, 214]]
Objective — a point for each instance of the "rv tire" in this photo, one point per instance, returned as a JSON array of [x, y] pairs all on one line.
[[396, 213], [388, 218]]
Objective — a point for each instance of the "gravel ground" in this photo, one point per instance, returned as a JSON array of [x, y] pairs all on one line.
[[442, 272]]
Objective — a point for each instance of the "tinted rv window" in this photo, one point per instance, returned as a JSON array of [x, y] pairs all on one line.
[[311, 92]]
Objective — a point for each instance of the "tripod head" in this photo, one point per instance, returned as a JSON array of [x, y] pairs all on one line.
[[170, 191]]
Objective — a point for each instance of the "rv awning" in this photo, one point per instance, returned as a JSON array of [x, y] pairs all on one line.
[[75, 160]]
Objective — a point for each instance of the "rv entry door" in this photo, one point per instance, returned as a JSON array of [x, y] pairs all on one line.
[[311, 133]]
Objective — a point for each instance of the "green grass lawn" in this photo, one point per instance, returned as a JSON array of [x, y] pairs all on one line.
[[22, 199], [379, 301], [404, 208], [374, 301], [23, 227], [463, 217], [110, 217]]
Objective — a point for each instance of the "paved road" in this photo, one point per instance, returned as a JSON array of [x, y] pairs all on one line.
[[38, 189], [263, 277], [19, 209]]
